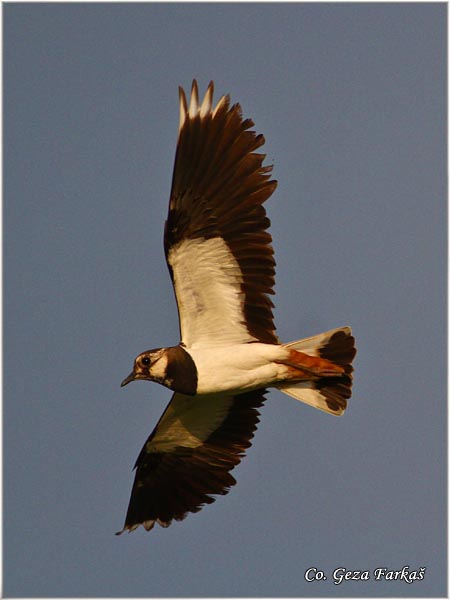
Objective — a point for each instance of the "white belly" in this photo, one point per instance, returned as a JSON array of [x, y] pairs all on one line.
[[238, 368]]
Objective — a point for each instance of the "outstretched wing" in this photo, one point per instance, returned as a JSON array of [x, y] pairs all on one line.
[[217, 246], [189, 456]]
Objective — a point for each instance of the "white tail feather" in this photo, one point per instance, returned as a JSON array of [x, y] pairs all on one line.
[[312, 345], [306, 393]]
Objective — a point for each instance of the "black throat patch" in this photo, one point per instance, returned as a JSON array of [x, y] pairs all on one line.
[[181, 372]]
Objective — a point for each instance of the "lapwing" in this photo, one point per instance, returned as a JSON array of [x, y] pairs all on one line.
[[220, 258]]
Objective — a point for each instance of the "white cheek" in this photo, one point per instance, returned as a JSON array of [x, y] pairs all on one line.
[[159, 368]]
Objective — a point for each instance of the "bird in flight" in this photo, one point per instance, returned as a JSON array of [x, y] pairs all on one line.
[[220, 259]]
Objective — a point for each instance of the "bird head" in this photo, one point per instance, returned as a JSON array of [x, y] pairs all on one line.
[[150, 365]]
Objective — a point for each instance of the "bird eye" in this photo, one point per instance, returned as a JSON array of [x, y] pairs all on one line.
[[145, 361]]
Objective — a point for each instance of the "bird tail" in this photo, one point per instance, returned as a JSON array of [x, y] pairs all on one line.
[[331, 392]]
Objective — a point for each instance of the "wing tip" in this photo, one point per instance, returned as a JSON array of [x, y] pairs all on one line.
[[206, 105], [193, 104], [147, 525], [194, 108], [183, 107]]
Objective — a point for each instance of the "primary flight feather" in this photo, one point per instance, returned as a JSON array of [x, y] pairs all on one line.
[[220, 259]]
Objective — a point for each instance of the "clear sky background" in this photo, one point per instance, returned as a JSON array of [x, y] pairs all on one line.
[[351, 100]]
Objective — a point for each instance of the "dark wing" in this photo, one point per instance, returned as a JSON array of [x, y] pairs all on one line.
[[217, 246], [189, 456]]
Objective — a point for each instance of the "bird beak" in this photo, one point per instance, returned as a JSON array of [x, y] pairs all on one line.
[[131, 377]]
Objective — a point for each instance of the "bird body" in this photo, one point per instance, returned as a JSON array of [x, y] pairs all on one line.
[[240, 367], [220, 259], [233, 368]]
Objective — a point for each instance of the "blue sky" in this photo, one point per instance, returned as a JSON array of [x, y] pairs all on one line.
[[351, 100]]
